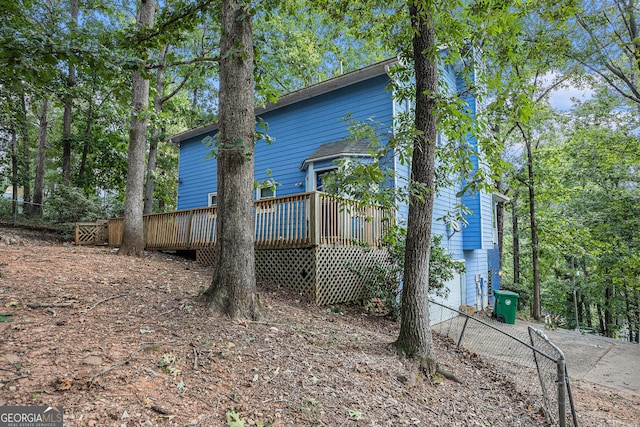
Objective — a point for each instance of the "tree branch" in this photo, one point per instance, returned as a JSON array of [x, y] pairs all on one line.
[[177, 89], [178, 17], [606, 78], [177, 63]]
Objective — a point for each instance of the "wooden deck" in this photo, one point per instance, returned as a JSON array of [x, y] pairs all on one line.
[[302, 220]]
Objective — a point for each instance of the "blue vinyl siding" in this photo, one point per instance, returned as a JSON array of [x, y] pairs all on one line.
[[477, 264], [197, 174], [445, 202], [299, 129], [472, 233]]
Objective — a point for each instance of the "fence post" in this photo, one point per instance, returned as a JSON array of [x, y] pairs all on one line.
[[464, 327], [562, 385], [314, 218]]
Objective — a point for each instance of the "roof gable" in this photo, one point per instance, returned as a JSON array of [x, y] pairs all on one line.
[[312, 91]]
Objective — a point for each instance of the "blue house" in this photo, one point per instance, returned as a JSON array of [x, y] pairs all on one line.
[[310, 134]]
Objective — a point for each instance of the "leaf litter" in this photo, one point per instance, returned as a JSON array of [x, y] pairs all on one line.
[[158, 359]]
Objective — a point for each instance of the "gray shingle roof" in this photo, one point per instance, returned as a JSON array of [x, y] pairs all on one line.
[[342, 148]]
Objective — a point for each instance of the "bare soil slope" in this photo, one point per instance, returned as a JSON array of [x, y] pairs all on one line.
[[127, 342]]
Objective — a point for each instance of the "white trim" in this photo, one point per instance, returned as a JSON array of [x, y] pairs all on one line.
[[494, 221], [482, 219], [499, 197], [311, 178]]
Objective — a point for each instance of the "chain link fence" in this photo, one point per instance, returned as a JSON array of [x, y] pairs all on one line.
[[536, 366]]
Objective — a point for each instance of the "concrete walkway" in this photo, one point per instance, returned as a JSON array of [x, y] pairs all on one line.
[[595, 359]]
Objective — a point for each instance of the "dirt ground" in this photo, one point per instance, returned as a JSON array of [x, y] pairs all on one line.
[[121, 341]]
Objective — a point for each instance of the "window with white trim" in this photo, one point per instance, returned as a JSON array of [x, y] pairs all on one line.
[[213, 199], [266, 193]]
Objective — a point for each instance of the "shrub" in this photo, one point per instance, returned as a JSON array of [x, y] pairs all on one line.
[[68, 204], [385, 286]]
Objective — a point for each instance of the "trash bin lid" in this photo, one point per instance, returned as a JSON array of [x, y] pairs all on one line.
[[506, 293]]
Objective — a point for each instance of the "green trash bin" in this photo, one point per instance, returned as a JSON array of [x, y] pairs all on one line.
[[506, 306]]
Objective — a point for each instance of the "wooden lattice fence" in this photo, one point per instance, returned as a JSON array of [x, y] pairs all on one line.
[[92, 233]]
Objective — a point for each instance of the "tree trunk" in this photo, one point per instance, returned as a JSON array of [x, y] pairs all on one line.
[[608, 312], [587, 317], [26, 156], [637, 314], [68, 106], [586, 301], [133, 233], [14, 173], [535, 251], [152, 161], [516, 240], [41, 156], [415, 338], [500, 224], [233, 289], [626, 295], [87, 139], [601, 320]]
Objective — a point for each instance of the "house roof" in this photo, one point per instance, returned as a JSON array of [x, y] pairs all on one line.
[[326, 86], [343, 148]]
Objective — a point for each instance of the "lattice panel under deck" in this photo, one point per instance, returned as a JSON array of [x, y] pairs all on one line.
[[206, 256], [293, 268], [343, 271], [325, 275]]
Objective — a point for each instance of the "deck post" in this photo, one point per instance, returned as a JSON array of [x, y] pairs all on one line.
[[314, 218], [189, 223]]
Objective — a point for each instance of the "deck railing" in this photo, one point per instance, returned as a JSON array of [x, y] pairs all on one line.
[[303, 219]]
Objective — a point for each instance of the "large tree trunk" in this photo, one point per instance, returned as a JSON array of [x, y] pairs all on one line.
[[516, 239], [535, 251], [68, 105], [26, 156], [41, 156], [133, 233], [233, 289], [415, 338], [152, 161]]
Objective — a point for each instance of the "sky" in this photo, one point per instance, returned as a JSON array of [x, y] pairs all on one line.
[[563, 98]]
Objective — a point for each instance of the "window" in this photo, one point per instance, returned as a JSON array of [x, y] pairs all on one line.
[[266, 193], [320, 184], [213, 199]]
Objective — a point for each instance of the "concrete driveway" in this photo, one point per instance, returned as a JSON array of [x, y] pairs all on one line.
[[595, 359]]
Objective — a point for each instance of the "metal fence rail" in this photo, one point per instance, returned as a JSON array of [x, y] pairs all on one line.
[[536, 366]]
